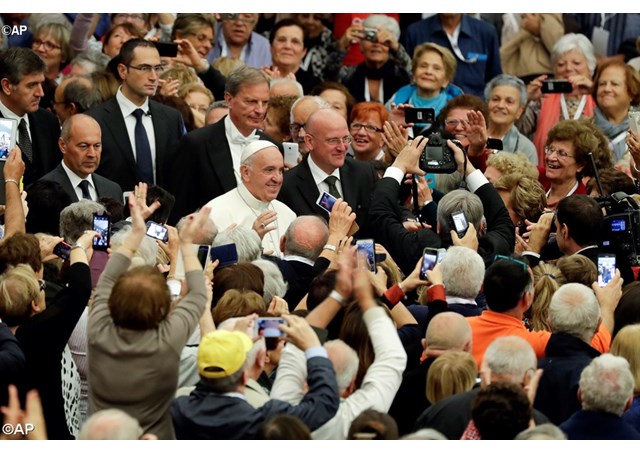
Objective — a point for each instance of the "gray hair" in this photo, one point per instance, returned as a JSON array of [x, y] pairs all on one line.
[[274, 284], [546, 431], [77, 91], [459, 200], [217, 105], [345, 362], [462, 272], [283, 81], [243, 75], [320, 102], [574, 41], [206, 235], [91, 60], [246, 240], [76, 218], [306, 236], [147, 251], [111, 424], [383, 21], [511, 357], [507, 80], [425, 434], [574, 310], [606, 385]]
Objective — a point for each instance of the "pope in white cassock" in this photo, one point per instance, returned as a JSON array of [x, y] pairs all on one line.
[[253, 203]]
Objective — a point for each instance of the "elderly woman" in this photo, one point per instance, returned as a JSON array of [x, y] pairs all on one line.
[[386, 64], [617, 87], [365, 126], [117, 36], [433, 68], [51, 42], [287, 39], [198, 98], [573, 60], [523, 197], [337, 95], [276, 120], [507, 97], [197, 29]]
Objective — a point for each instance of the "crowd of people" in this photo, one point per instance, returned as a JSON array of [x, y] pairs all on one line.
[[233, 226]]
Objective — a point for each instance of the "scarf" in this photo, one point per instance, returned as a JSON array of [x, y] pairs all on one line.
[[612, 131]]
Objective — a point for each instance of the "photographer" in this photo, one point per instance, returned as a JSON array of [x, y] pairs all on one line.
[[496, 236]]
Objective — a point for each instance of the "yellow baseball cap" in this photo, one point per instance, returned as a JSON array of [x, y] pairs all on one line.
[[221, 353]]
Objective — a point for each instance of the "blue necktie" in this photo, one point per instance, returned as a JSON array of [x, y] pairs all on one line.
[[143, 150], [84, 187]]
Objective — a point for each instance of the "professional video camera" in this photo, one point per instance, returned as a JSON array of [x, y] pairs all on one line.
[[437, 157], [621, 227]]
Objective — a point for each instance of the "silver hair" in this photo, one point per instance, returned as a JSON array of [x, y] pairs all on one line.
[[91, 60], [606, 385], [511, 357], [425, 434], [306, 236], [147, 251], [274, 284], [507, 80], [383, 21], [574, 41], [546, 431], [111, 424], [574, 310], [459, 200], [76, 218], [243, 75], [206, 235], [462, 272], [320, 102], [283, 81], [217, 105], [247, 242], [345, 362]]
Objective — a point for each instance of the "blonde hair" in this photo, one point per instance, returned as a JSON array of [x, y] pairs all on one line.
[[453, 372], [449, 61], [547, 279], [578, 269], [227, 64], [627, 344], [195, 87], [507, 163], [234, 304], [526, 195], [180, 72], [18, 288]]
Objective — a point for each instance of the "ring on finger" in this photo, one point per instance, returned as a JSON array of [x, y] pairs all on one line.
[[262, 225]]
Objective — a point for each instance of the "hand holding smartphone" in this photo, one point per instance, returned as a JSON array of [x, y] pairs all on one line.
[[459, 223], [326, 201], [429, 261], [102, 224], [157, 231], [606, 268], [368, 247], [8, 136], [269, 327]]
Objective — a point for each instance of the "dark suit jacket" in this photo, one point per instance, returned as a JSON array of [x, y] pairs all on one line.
[[203, 169], [104, 186], [385, 217], [595, 425], [117, 161], [298, 276], [299, 190], [45, 131]]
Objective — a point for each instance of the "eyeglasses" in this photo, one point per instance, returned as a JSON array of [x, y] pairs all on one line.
[[513, 260], [148, 68], [129, 16], [337, 141], [454, 122], [244, 18], [43, 284], [48, 45], [295, 127], [355, 127], [562, 154]]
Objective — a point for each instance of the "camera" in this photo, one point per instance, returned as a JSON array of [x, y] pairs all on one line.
[[370, 34], [437, 157], [621, 232]]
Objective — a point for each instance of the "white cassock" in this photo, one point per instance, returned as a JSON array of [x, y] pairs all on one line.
[[240, 207]]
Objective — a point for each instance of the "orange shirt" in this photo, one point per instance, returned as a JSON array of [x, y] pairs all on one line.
[[491, 325]]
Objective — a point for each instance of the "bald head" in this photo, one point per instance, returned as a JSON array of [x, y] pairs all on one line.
[[111, 424], [327, 139], [448, 331], [300, 112], [66, 103], [305, 237], [81, 144]]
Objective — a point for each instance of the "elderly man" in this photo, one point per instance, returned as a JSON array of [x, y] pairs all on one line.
[[208, 162], [21, 79], [301, 110], [253, 203], [81, 145], [235, 38], [326, 170], [74, 95]]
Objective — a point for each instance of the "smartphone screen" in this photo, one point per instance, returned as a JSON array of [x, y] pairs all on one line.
[[606, 268], [429, 260], [227, 254], [63, 250], [269, 327], [460, 223], [101, 224], [326, 201], [8, 134], [368, 247], [167, 49], [157, 231]]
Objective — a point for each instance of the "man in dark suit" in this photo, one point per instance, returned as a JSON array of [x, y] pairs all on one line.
[[81, 146], [326, 170], [208, 159], [496, 236], [139, 136], [21, 79]]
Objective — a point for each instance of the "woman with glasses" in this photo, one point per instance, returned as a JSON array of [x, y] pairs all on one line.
[[51, 43], [365, 127]]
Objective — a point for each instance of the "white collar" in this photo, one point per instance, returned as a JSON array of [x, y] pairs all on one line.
[[250, 200], [319, 174], [75, 179], [234, 135], [7, 113], [127, 107], [460, 300], [586, 248], [300, 259]]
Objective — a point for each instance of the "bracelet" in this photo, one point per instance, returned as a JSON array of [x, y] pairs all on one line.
[[79, 246], [133, 251], [13, 181], [338, 297], [329, 247]]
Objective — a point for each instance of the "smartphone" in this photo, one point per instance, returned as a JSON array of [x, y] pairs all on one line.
[[606, 268], [167, 49], [421, 116], [203, 254], [102, 224], [369, 248], [459, 223], [291, 153], [8, 136], [429, 261], [63, 250], [125, 197], [175, 287], [269, 327], [157, 231], [494, 143], [227, 254], [556, 86], [326, 201]]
